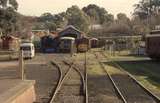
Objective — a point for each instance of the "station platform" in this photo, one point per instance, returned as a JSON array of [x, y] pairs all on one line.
[[17, 91]]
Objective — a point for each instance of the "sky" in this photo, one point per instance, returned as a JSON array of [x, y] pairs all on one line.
[[38, 7]]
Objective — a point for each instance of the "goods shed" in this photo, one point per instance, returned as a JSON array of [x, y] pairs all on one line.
[[71, 31], [10, 43]]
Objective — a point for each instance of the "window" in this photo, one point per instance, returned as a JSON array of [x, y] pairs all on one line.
[[25, 48]]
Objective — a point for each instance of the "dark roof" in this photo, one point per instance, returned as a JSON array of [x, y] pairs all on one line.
[[71, 31], [70, 27]]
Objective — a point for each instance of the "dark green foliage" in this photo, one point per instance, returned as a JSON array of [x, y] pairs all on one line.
[[147, 8], [8, 3], [97, 14], [8, 16], [51, 26], [50, 22], [8, 20], [77, 18]]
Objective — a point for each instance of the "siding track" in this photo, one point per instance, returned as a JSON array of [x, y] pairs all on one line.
[[71, 86], [129, 88]]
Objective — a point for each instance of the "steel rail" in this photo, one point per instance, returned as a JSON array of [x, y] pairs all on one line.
[[81, 75], [155, 97], [82, 78], [61, 80], [112, 81]]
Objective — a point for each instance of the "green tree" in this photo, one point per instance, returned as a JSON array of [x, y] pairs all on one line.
[[51, 26], [77, 18], [4, 4], [46, 17], [97, 14], [60, 20], [8, 16], [121, 25]]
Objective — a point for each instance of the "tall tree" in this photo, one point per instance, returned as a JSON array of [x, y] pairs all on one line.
[[8, 16], [97, 14], [77, 18], [4, 4]]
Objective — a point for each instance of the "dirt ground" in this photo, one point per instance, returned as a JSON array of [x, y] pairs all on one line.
[[100, 89]]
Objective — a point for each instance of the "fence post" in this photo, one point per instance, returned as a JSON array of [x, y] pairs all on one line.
[[21, 66]]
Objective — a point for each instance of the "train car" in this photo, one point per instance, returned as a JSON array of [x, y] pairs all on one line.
[[49, 44], [67, 44], [94, 42], [153, 46], [83, 44]]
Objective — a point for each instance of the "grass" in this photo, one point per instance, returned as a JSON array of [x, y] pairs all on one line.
[[148, 69], [145, 70]]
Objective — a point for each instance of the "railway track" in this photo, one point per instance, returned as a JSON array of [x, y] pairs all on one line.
[[128, 88], [71, 86], [113, 89]]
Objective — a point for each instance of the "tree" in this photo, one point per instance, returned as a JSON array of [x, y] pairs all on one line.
[[8, 16], [77, 18], [51, 26], [97, 14], [148, 13], [121, 25], [4, 4], [147, 8], [60, 20], [8, 20], [46, 17]]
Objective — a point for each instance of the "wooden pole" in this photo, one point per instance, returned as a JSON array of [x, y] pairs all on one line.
[[21, 65]]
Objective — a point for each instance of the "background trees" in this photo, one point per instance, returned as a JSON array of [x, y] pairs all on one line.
[[8, 16], [145, 17], [77, 18], [97, 14]]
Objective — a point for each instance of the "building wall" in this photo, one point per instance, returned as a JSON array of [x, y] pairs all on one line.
[[9, 43]]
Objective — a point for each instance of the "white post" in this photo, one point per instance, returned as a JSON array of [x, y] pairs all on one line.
[[72, 48], [21, 65]]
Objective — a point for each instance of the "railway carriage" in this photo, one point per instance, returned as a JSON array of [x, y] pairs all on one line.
[[83, 44], [67, 44], [94, 42], [49, 44], [153, 46]]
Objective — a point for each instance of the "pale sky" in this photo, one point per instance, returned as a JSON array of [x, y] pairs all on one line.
[[37, 7]]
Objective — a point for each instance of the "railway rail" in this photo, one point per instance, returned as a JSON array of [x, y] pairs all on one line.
[[129, 89], [65, 76], [117, 91]]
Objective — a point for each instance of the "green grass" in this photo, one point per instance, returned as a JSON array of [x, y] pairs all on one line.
[[148, 69], [145, 70]]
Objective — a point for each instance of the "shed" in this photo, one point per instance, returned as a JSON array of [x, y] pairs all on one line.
[[71, 31], [10, 43]]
